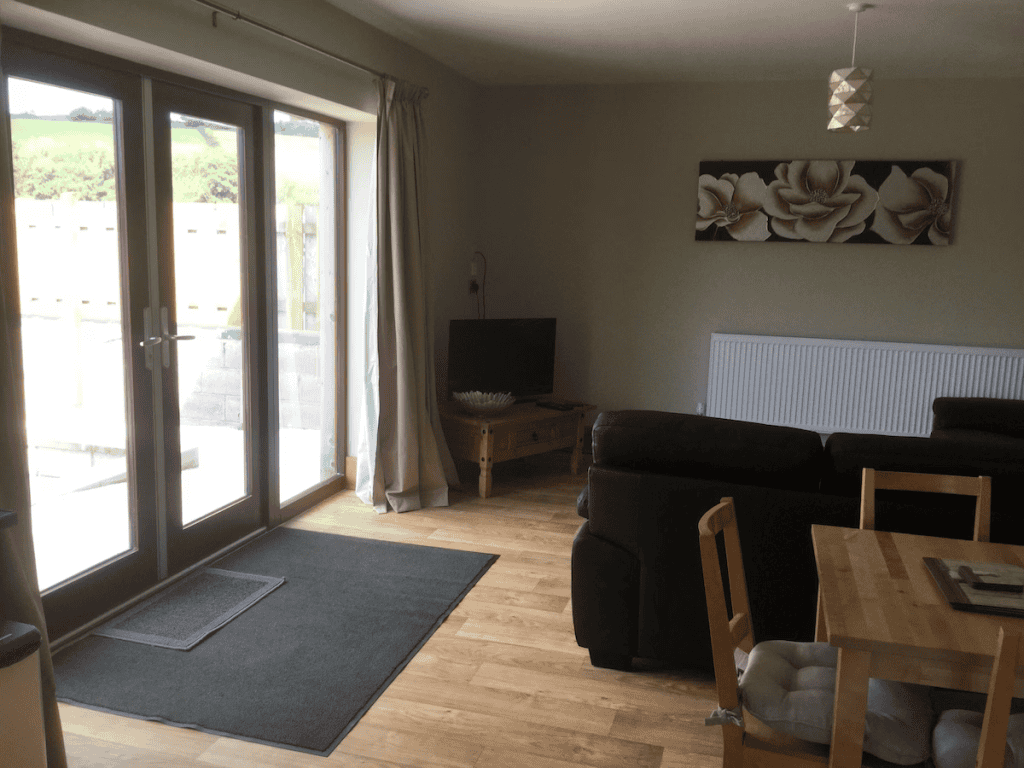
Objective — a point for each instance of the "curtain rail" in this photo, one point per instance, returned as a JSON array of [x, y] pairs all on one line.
[[237, 16]]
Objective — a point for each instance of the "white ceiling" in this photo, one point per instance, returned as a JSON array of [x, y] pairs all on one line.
[[617, 41]]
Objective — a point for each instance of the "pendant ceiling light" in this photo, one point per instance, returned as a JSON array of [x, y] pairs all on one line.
[[850, 89]]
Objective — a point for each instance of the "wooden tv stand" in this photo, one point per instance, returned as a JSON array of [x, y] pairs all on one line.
[[524, 429]]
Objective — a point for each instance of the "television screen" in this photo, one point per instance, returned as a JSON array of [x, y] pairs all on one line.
[[516, 356]]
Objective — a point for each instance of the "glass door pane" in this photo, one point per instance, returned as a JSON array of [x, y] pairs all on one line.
[[306, 183], [209, 246], [210, 313], [67, 214], [79, 221]]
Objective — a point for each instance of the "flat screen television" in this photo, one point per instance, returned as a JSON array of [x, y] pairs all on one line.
[[516, 356]]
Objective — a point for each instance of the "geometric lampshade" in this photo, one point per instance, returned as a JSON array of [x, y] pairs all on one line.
[[850, 100]]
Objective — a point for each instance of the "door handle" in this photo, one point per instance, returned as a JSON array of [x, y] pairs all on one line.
[[166, 328], [171, 337], [168, 336], [148, 342]]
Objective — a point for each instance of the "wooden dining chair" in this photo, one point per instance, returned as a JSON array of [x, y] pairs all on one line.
[[959, 737], [729, 634], [1000, 694], [769, 721], [979, 487]]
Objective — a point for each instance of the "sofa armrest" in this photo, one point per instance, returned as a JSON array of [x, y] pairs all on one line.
[[711, 448], [980, 414], [652, 518], [583, 502], [605, 595]]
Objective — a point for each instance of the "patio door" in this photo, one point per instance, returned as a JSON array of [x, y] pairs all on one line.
[[135, 230], [200, 337]]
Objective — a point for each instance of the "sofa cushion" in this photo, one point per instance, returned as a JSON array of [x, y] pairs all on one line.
[[958, 732], [990, 445], [791, 687], [847, 454], [951, 516], [709, 448], [984, 414]]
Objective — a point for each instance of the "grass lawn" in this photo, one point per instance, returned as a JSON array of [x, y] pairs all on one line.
[[298, 156], [45, 133]]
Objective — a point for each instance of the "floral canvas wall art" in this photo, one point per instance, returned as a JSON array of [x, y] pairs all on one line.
[[827, 201]]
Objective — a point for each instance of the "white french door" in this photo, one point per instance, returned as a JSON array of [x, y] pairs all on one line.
[[201, 342], [136, 209]]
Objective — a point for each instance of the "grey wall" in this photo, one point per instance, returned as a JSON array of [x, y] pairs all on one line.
[[589, 196]]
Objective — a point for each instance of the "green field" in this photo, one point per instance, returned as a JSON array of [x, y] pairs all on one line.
[[298, 156], [49, 133]]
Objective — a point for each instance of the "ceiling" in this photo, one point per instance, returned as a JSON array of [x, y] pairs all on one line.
[[630, 41]]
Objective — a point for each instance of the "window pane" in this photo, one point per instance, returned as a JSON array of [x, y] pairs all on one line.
[[306, 278], [66, 213], [208, 299]]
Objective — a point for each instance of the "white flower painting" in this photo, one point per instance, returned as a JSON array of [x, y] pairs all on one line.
[[826, 201]]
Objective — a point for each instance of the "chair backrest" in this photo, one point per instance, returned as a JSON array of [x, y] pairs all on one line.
[[727, 632], [979, 487], [732, 631], [991, 748]]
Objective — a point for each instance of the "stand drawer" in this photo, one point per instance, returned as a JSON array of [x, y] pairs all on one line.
[[544, 433]]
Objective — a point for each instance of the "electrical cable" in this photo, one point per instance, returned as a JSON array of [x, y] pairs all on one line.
[[482, 293]]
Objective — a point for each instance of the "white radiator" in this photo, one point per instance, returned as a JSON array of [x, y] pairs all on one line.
[[851, 386]]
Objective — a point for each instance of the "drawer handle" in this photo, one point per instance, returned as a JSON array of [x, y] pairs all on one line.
[[535, 437]]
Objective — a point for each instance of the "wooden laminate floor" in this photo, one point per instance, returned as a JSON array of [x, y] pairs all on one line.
[[502, 683]]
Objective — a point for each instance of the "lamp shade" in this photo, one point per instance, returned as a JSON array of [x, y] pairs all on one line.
[[850, 100]]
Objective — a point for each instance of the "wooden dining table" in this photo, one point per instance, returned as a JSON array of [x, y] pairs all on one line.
[[881, 607]]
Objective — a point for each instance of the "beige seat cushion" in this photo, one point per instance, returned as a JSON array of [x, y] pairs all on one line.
[[957, 733], [791, 687]]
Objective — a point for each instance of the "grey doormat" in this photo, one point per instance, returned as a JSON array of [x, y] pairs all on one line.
[[182, 615], [301, 666]]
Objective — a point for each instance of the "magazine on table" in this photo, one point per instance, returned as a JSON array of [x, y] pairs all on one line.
[[996, 588]]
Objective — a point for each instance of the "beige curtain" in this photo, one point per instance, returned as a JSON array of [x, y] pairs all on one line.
[[19, 588], [404, 462]]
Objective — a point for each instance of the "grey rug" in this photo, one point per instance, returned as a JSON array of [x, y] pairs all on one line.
[[182, 615], [300, 667]]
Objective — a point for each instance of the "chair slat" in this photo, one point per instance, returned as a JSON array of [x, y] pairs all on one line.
[[915, 481], [741, 631], [979, 487]]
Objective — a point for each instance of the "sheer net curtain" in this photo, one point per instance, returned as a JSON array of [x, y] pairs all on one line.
[[19, 587], [403, 462]]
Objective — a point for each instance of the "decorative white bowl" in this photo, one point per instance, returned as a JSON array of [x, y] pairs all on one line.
[[484, 403]]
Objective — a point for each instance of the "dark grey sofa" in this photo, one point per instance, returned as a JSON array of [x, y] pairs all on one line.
[[637, 589]]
